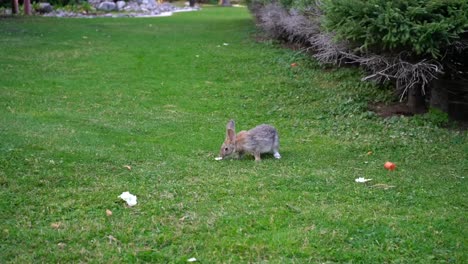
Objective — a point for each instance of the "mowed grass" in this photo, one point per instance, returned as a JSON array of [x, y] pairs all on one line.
[[90, 108]]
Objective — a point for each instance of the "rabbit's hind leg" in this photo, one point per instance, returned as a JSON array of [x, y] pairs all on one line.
[[276, 147]]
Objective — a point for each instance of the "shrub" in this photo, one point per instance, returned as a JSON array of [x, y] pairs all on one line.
[[434, 117], [5, 3], [301, 5], [290, 25], [422, 28]]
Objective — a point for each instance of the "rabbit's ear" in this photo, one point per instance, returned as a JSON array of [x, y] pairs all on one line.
[[231, 131], [231, 125]]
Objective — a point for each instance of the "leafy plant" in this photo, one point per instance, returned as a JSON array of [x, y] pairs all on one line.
[[86, 7], [35, 6], [71, 8], [421, 28], [434, 117]]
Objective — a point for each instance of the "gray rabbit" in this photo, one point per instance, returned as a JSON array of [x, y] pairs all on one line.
[[258, 140]]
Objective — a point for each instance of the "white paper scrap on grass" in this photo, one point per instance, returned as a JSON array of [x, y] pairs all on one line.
[[129, 198], [362, 179]]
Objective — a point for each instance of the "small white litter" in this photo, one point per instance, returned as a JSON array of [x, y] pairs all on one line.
[[362, 179], [225, 44], [129, 198], [191, 260], [218, 158]]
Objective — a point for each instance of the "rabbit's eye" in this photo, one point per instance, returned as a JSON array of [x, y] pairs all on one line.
[[226, 149]]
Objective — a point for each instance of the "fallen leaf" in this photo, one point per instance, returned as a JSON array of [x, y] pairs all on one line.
[[61, 245], [128, 167], [294, 64], [310, 228], [56, 225], [112, 239], [108, 212]]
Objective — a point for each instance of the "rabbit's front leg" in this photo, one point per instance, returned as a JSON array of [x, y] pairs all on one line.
[[257, 156]]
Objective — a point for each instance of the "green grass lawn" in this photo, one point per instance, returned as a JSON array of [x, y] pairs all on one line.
[[81, 99]]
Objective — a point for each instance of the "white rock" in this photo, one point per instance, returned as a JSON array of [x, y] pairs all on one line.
[[120, 5], [44, 8], [107, 6]]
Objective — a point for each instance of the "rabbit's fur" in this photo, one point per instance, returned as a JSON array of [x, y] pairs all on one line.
[[258, 140]]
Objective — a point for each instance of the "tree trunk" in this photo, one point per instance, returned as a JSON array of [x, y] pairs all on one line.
[[451, 96], [192, 3], [416, 100], [14, 7], [439, 95], [27, 7]]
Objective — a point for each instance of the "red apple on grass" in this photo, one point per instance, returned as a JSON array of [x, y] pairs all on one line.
[[389, 166]]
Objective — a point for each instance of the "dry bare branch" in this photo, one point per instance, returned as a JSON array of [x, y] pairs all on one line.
[[326, 50]]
